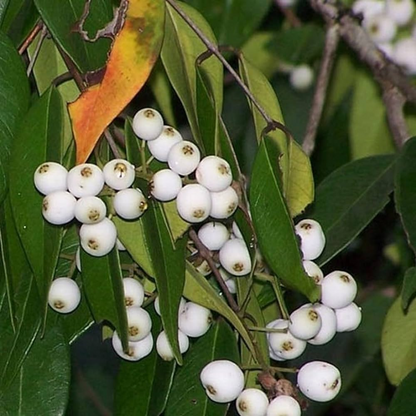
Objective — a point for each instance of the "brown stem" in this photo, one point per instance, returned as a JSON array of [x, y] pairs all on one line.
[[35, 55], [73, 70], [112, 144], [331, 44], [32, 35], [289, 14], [61, 79]]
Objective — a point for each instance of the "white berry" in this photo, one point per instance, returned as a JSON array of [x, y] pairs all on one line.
[[160, 147], [381, 28], [338, 289], [284, 406], [164, 348], [400, 11], [368, 8], [214, 173], [136, 350], [85, 180], [348, 318], [312, 238], [404, 54], [301, 77], [50, 177], [130, 203], [165, 185], [184, 158], [181, 308], [305, 323], [120, 246], [119, 174], [90, 210], [64, 295], [58, 207], [235, 257], [319, 381], [133, 292], [147, 124], [193, 203], [314, 271], [98, 239], [139, 323], [223, 381], [213, 235], [252, 402], [224, 203], [195, 320], [328, 327]]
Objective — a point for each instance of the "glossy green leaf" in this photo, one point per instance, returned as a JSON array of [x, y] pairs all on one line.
[[409, 287], [60, 18], [275, 231], [404, 399], [187, 396], [198, 290], [176, 225], [103, 286], [14, 93], [142, 387], [132, 144], [348, 199], [170, 273], [44, 378], [181, 48], [3, 8], [39, 140], [399, 342]]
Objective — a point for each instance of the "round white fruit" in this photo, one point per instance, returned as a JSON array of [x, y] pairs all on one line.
[[235, 257], [164, 348], [160, 147], [214, 173], [165, 185], [368, 8], [147, 124], [338, 289], [136, 350], [64, 295], [193, 203], [348, 318], [133, 292], [195, 320], [312, 238], [301, 77], [319, 381], [305, 323], [213, 235], [85, 180], [252, 402], [222, 380], [381, 28], [130, 204], [90, 210], [404, 54], [98, 239], [232, 286], [400, 11], [58, 207], [139, 323], [328, 327], [50, 177], [184, 157], [224, 203], [284, 406], [119, 174], [313, 271]]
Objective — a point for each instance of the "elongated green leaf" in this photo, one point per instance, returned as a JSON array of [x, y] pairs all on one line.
[[295, 169], [177, 226], [103, 286], [142, 387], [348, 199], [187, 396], [398, 342], [14, 94], [60, 18], [405, 192], [42, 386], [169, 264], [404, 399], [3, 9], [181, 48], [39, 140], [198, 290], [273, 224], [409, 287]]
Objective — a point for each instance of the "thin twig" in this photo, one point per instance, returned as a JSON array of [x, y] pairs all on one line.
[[72, 69], [331, 44], [112, 144], [35, 55], [289, 14], [61, 79], [32, 35]]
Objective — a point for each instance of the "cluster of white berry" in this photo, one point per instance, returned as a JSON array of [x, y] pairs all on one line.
[[391, 25]]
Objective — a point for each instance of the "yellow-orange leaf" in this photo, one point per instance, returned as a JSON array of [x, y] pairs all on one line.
[[134, 52]]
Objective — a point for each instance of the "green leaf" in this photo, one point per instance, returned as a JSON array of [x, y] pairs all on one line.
[[404, 399], [405, 194], [14, 93], [348, 199], [39, 140], [142, 387], [60, 18], [198, 290], [3, 8], [187, 396], [177, 226], [274, 227], [181, 48], [398, 342], [409, 287], [44, 379], [132, 144], [103, 286], [170, 273]]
